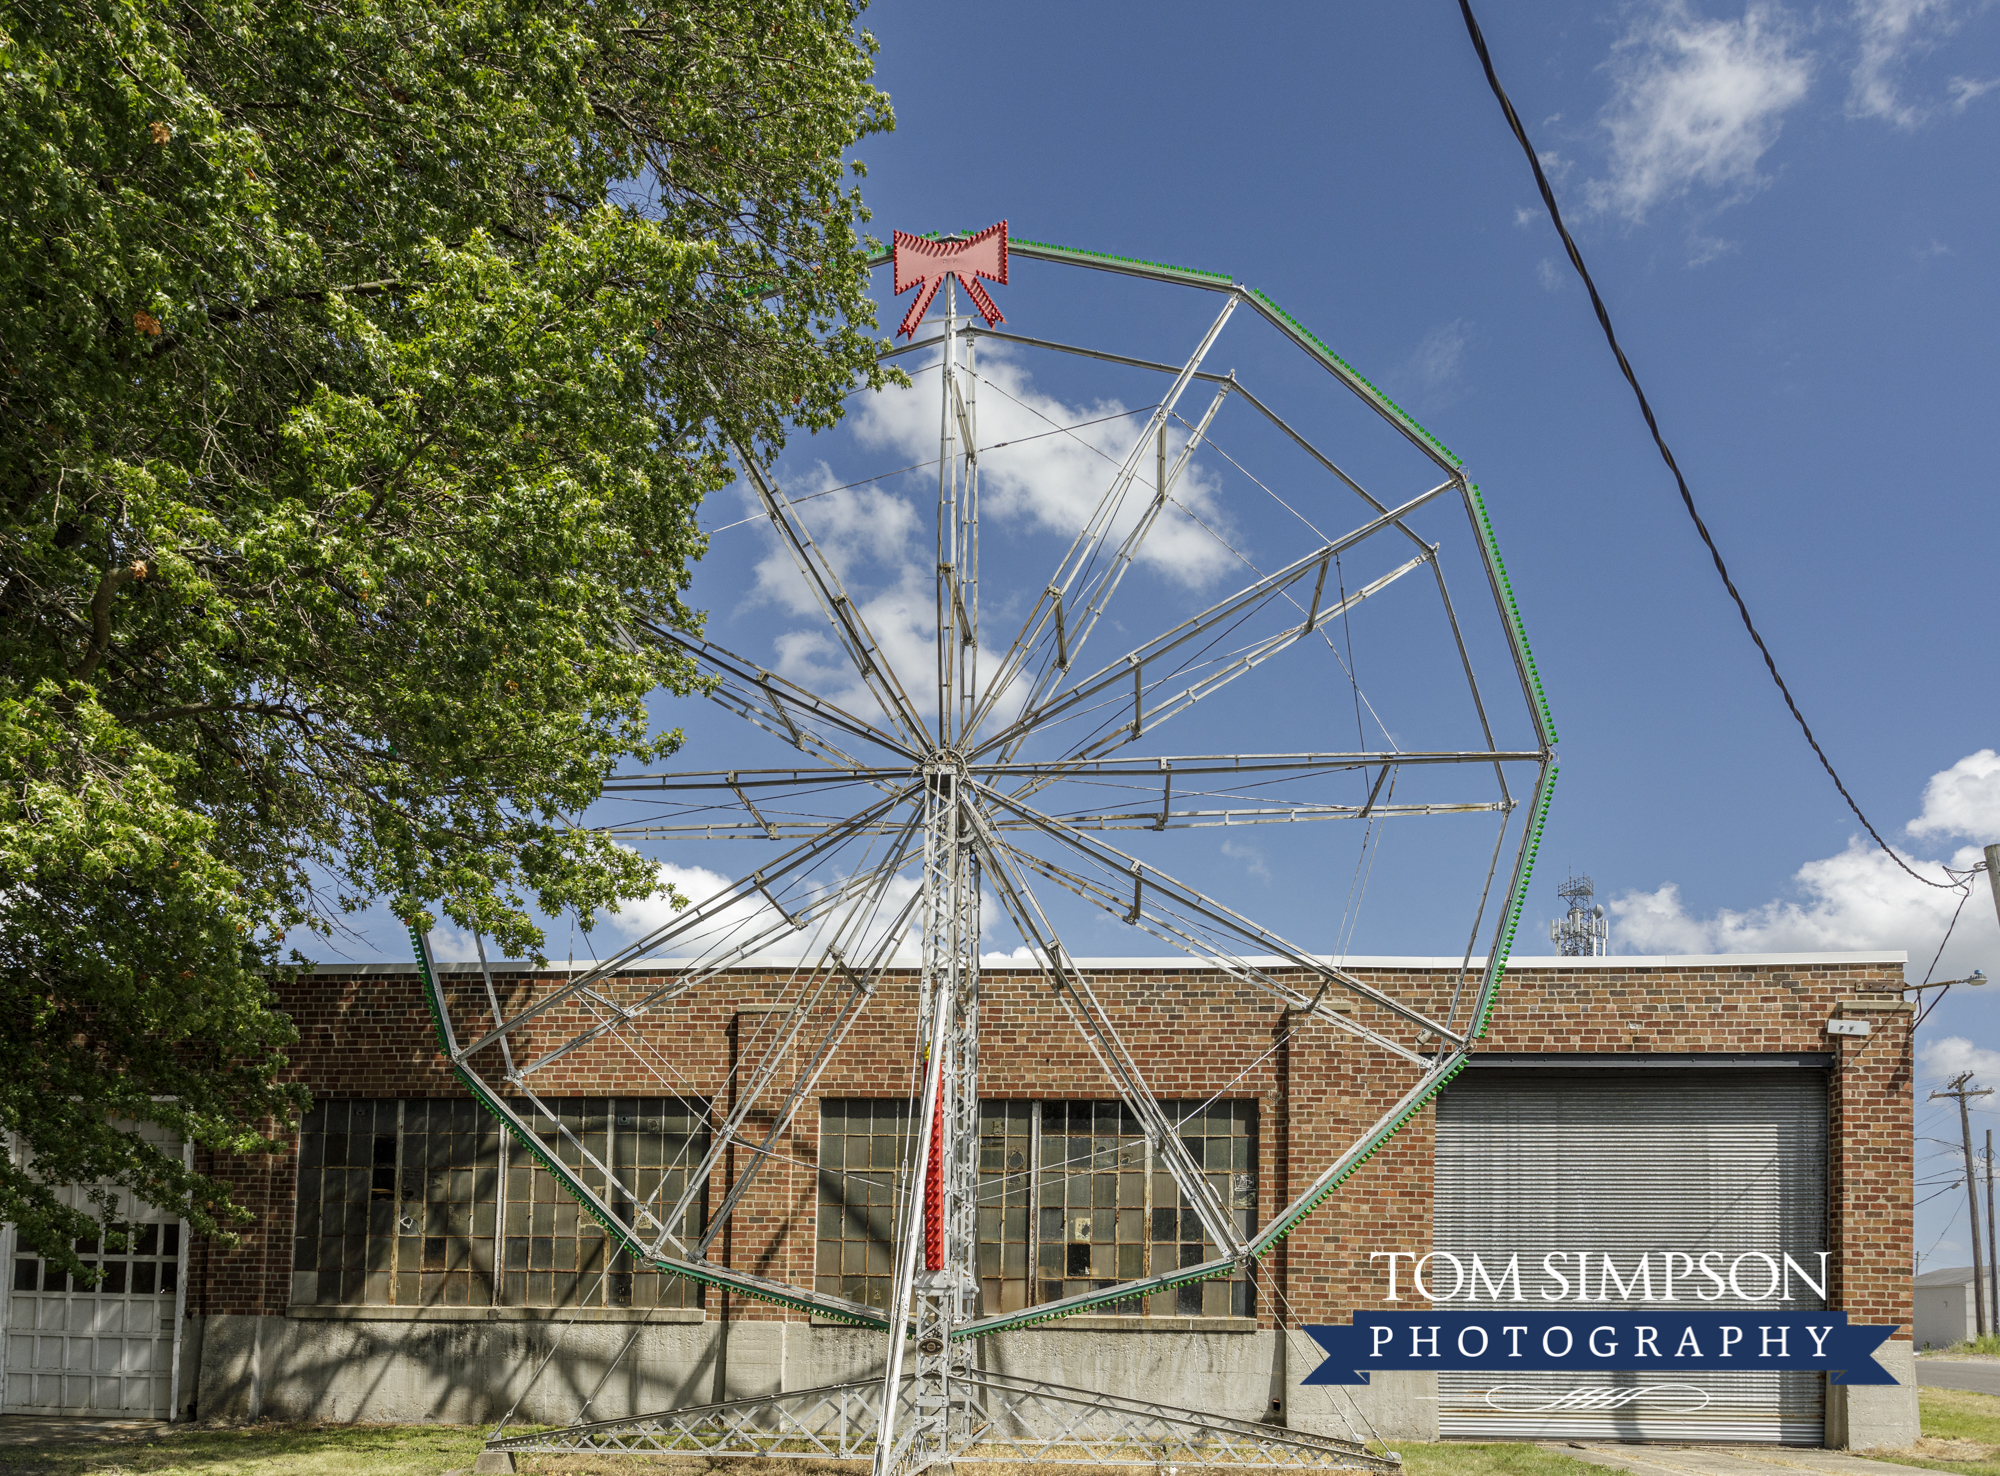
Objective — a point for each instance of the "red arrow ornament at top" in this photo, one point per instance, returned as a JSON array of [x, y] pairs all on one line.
[[925, 263]]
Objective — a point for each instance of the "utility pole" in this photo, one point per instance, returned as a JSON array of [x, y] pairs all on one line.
[[1960, 1091], [1991, 1243]]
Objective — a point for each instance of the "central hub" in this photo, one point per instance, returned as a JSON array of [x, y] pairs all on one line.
[[943, 769]]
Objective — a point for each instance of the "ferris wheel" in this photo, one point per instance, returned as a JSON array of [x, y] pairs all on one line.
[[989, 767]]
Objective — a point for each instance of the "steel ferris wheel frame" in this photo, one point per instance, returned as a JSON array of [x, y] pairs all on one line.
[[949, 782]]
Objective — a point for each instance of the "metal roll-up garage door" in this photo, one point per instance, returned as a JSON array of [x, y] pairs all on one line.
[[1627, 1162]]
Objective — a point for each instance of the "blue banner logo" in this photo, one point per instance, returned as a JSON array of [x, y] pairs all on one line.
[[1643, 1342]]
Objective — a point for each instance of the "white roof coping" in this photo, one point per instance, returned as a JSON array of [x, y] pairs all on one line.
[[1949, 1276], [1181, 961]]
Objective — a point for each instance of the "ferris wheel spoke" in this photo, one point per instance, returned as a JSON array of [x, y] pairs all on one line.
[[1044, 634], [1185, 779], [757, 934], [842, 614], [1042, 772], [833, 967], [1165, 480], [1289, 431], [1129, 670], [777, 704], [1188, 936], [711, 912], [1199, 915], [1146, 718], [1073, 989], [765, 804], [1279, 814], [849, 1011]]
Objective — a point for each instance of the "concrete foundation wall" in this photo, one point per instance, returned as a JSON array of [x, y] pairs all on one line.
[[455, 1369], [1876, 1416]]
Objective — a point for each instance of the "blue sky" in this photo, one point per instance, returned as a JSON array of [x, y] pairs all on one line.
[[1791, 212]]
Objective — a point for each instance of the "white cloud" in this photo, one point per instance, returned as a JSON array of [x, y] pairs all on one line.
[[1963, 800], [1525, 217], [853, 527], [879, 542], [872, 539], [1941, 1060], [1704, 249], [449, 945], [745, 918], [1966, 90], [1549, 274], [1435, 363], [1890, 30], [1858, 899], [1250, 856], [1053, 483], [1697, 102]]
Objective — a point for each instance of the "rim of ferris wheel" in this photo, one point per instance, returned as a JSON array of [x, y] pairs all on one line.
[[964, 800]]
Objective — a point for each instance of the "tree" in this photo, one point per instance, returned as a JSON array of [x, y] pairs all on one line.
[[362, 368]]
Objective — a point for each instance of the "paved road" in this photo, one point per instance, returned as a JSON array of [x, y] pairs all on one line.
[[1980, 1375], [61, 1430]]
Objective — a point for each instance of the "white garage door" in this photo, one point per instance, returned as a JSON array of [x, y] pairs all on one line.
[[73, 1348], [1627, 1162]]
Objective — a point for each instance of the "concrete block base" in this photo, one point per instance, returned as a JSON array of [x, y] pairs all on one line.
[[1876, 1416]]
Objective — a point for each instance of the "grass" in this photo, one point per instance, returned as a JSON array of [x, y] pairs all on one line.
[[1961, 1432], [258, 1450], [1418, 1459], [1449, 1458], [427, 1450], [1990, 1345]]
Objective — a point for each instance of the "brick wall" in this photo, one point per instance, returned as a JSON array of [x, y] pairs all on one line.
[[1195, 1034]]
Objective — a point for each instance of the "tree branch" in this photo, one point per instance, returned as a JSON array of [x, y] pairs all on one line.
[[317, 294], [100, 615]]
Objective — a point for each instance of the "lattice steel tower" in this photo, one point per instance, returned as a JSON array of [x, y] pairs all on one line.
[[1583, 933]]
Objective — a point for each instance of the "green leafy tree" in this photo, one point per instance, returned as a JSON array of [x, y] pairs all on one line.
[[362, 368]]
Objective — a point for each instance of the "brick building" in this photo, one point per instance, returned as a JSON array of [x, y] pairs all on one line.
[[410, 1263]]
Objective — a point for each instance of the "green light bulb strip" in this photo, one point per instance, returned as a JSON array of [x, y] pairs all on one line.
[[1497, 970], [1297, 330], [1373, 1146], [1121, 1293], [1514, 620], [1192, 273], [1354, 376]]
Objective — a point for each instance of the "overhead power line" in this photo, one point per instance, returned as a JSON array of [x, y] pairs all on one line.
[[1653, 425]]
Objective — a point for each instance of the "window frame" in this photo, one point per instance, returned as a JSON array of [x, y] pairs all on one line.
[[392, 1244], [1237, 1290]]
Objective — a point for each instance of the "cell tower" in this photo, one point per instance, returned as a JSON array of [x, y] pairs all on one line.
[[1583, 933]]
